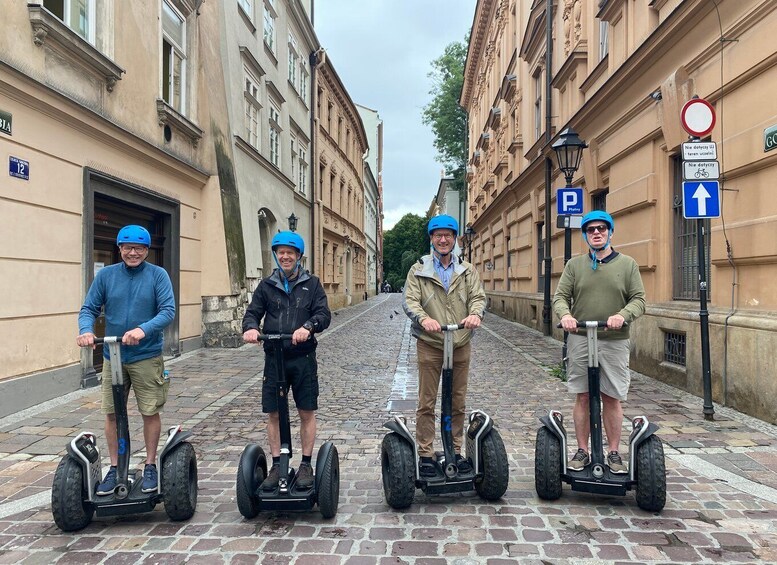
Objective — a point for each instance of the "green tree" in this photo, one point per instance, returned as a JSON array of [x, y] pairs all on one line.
[[403, 245], [447, 119]]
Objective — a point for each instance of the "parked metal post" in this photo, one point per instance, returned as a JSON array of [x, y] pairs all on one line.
[[709, 410]]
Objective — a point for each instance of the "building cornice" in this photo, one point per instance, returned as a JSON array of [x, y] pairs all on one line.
[[477, 40], [328, 73]]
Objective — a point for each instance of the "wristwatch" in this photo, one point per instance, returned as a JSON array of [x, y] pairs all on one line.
[[308, 326]]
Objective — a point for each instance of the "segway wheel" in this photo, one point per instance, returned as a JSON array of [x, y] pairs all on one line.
[[496, 470], [328, 483], [398, 468], [248, 481], [547, 465], [179, 482], [651, 475], [69, 505]]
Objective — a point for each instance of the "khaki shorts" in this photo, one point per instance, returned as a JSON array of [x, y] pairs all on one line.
[[614, 375], [146, 377]]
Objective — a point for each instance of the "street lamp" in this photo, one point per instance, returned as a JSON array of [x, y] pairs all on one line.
[[293, 222], [469, 233], [569, 151]]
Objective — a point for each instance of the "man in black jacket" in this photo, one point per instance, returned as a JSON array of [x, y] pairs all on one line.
[[291, 301]]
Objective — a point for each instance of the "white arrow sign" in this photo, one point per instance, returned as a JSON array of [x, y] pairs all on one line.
[[701, 195]]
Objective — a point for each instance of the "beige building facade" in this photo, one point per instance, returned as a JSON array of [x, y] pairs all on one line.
[[108, 120], [621, 71], [340, 145]]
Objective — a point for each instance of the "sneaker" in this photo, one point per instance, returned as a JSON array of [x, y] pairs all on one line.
[[465, 467], [615, 463], [305, 476], [273, 476], [108, 484], [150, 479], [427, 468], [579, 461]]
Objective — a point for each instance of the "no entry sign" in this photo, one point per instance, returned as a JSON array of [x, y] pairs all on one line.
[[698, 117]]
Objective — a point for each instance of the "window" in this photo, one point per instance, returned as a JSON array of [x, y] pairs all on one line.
[[293, 61], [293, 146], [674, 348], [269, 26], [78, 15], [173, 57], [330, 108], [603, 42], [252, 109], [275, 135], [599, 200], [686, 249], [540, 258], [537, 105], [302, 158], [248, 7], [303, 79]]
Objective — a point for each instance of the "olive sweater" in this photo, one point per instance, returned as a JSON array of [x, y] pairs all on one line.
[[615, 287]]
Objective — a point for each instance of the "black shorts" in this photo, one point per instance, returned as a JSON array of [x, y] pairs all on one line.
[[301, 375]]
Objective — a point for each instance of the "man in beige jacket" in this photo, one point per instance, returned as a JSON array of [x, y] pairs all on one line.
[[442, 290]]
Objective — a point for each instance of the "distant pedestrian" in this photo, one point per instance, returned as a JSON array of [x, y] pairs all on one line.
[[139, 304], [290, 301], [442, 290], [601, 285]]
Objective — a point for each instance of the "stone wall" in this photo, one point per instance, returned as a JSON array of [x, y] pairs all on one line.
[[222, 318]]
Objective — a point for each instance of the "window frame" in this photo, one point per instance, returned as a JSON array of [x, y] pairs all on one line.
[[247, 6], [253, 108], [182, 52], [274, 133], [302, 161], [271, 31], [66, 17]]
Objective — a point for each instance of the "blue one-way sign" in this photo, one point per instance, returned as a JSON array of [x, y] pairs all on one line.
[[569, 201], [701, 199]]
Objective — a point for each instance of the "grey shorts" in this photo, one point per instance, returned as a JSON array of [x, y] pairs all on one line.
[[613, 365]]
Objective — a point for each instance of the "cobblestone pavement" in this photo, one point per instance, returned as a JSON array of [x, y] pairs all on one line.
[[722, 486]]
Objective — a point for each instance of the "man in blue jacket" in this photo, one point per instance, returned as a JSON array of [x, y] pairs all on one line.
[[291, 301], [139, 304]]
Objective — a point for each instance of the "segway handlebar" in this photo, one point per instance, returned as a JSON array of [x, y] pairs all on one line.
[[273, 337], [592, 324], [452, 327], [107, 339]]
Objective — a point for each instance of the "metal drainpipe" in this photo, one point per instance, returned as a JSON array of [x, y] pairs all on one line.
[[546, 313]]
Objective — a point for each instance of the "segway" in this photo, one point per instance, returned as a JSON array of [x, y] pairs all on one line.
[[288, 495], [484, 447], [647, 469], [73, 498]]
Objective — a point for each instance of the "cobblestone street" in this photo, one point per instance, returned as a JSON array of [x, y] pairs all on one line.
[[721, 481]]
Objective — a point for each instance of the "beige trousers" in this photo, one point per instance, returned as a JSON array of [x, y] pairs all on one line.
[[429, 372]]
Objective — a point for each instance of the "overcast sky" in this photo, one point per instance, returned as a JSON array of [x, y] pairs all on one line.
[[382, 51]]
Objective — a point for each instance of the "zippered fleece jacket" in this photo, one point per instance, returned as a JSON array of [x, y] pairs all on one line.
[[615, 287], [133, 297], [425, 297], [285, 312]]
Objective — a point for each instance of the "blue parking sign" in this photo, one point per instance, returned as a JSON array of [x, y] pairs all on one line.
[[569, 201], [701, 199]]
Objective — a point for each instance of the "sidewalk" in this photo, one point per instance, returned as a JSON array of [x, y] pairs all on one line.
[[721, 480]]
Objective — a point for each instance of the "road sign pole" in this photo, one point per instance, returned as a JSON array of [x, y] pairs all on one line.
[[709, 410]]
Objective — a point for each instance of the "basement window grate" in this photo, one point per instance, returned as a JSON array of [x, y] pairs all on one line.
[[674, 348]]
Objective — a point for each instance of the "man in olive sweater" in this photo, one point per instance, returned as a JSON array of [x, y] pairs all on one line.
[[600, 285]]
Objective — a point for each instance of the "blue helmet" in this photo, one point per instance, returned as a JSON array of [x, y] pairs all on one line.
[[598, 215], [289, 239], [134, 234], [443, 222]]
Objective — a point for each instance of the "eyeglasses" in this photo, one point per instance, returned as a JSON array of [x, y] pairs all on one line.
[[600, 229], [444, 236], [134, 248]]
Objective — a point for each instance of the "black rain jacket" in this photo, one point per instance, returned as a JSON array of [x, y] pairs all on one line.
[[286, 312]]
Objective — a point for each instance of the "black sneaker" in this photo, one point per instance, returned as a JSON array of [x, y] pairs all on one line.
[[579, 461], [427, 468], [108, 484], [465, 467], [273, 476], [150, 479], [615, 463], [305, 476]]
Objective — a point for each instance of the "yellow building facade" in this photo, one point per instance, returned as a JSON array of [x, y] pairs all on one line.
[[620, 73], [340, 144]]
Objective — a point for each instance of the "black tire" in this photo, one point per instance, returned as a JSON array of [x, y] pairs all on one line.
[[328, 481], [245, 488], [179, 482], [547, 465], [651, 475], [69, 505], [398, 469], [496, 469]]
